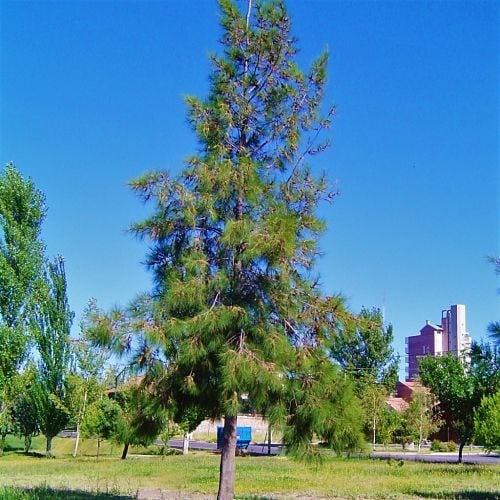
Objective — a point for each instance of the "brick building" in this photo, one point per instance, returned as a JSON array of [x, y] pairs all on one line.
[[435, 340]]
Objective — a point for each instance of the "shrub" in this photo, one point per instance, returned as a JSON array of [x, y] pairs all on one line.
[[436, 445], [451, 446]]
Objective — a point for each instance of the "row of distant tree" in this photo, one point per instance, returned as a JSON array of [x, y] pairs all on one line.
[[34, 313], [50, 382]]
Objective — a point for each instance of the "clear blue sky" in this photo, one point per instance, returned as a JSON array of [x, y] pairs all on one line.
[[91, 97]]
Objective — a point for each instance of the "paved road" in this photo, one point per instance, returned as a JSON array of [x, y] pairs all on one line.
[[467, 458], [253, 449], [261, 449]]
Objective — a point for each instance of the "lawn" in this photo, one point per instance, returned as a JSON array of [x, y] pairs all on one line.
[[257, 477]]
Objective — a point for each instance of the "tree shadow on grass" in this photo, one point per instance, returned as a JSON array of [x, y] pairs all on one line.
[[19, 493], [457, 495]]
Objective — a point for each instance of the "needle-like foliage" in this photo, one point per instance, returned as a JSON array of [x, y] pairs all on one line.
[[233, 240]]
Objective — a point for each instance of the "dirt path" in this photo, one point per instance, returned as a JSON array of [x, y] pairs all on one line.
[[157, 494]]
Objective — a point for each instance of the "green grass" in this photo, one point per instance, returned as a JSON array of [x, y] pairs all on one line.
[[256, 477]]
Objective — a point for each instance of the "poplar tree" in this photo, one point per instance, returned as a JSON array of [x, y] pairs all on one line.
[[363, 348], [233, 238], [51, 325], [22, 212]]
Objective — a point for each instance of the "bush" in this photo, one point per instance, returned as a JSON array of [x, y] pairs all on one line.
[[487, 422], [437, 445], [451, 446]]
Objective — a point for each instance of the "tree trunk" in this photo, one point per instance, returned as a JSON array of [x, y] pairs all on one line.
[[460, 449], [185, 443], [48, 450], [228, 460], [77, 440], [374, 434], [269, 439], [3, 438], [27, 443], [125, 451]]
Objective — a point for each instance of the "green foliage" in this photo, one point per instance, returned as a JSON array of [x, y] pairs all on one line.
[[87, 363], [22, 211], [80, 392], [460, 387], [421, 417], [24, 411], [7, 424], [321, 403], [390, 425], [140, 420], [487, 422], [107, 332], [451, 446], [236, 310], [51, 325], [101, 419], [88, 358], [188, 419], [373, 401], [52, 414], [363, 348], [437, 445]]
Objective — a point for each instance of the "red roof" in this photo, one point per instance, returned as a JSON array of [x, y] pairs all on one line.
[[397, 404]]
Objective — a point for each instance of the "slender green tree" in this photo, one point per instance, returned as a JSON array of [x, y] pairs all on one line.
[[51, 325], [101, 420], [389, 426], [22, 211], [420, 418], [363, 348], [23, 410], [88, 362], [80, 393], [141, 418], [459, 386], [7, 424], [373, 400], [233, 237], [487, 422]]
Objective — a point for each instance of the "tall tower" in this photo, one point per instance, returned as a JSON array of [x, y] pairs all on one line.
[[454, 324], [435, 340]]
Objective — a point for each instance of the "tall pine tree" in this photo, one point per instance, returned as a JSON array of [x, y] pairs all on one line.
[[233, 243]]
